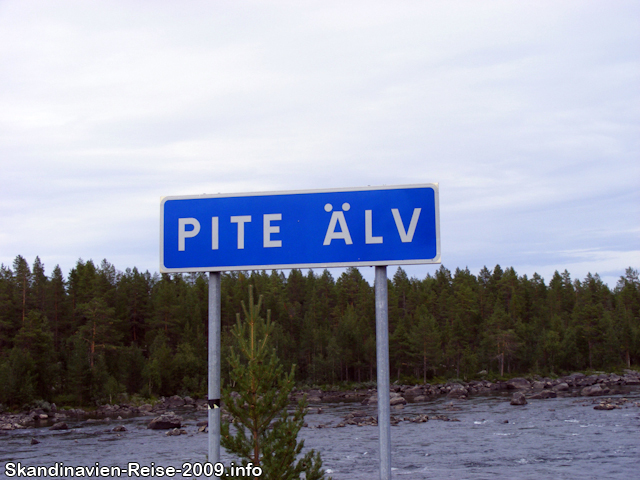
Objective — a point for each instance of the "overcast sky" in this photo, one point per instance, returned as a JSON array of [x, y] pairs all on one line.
[[527, 114]]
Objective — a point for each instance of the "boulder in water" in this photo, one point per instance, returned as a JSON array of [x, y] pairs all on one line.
[[518, 384], [543, 394], [593, 390], [59, 426], [518, 398], [165, 422], [174, 402]]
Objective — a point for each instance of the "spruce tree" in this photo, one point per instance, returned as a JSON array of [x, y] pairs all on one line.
[[265, 433]]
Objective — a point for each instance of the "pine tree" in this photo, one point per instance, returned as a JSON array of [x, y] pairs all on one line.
[[35, 339], [399, 348], [500, 338], [39, 283], [98, 330], [7, 330], [133, 305], [159, 369], [23, 282], [20, 386], [57, 311], [265, 433], [425, 342]]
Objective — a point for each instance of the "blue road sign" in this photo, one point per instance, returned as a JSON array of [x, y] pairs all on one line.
[[300, 229]]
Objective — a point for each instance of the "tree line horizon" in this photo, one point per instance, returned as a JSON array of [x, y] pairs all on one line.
[[101, 335]]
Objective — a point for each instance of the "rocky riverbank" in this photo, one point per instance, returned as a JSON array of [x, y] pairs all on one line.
[[48, 415], [577, 384]]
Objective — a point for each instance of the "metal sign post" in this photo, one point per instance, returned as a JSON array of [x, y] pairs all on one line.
[[382, 358], [214, 368], [347, 227]]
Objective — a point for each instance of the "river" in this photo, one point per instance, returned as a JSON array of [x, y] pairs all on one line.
[[556, 438]]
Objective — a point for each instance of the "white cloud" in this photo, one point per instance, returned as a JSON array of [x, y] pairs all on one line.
[[525, 112]]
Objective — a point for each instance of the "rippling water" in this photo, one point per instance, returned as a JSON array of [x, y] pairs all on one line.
[[559, 438]]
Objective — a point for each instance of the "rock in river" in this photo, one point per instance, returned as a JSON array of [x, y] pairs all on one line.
[[518, 398], [593, 391], [174, 401], [166, 421], [59, 426], [457, 391], [518, 384], [544, 394]]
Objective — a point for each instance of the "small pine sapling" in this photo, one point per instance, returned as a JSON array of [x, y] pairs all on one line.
[[265, 434]]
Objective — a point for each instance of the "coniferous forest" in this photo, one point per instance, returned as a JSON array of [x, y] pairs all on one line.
[[100, 335]]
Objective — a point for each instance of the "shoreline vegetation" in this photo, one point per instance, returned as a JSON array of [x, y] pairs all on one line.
[[103, 336], [162, 415]]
